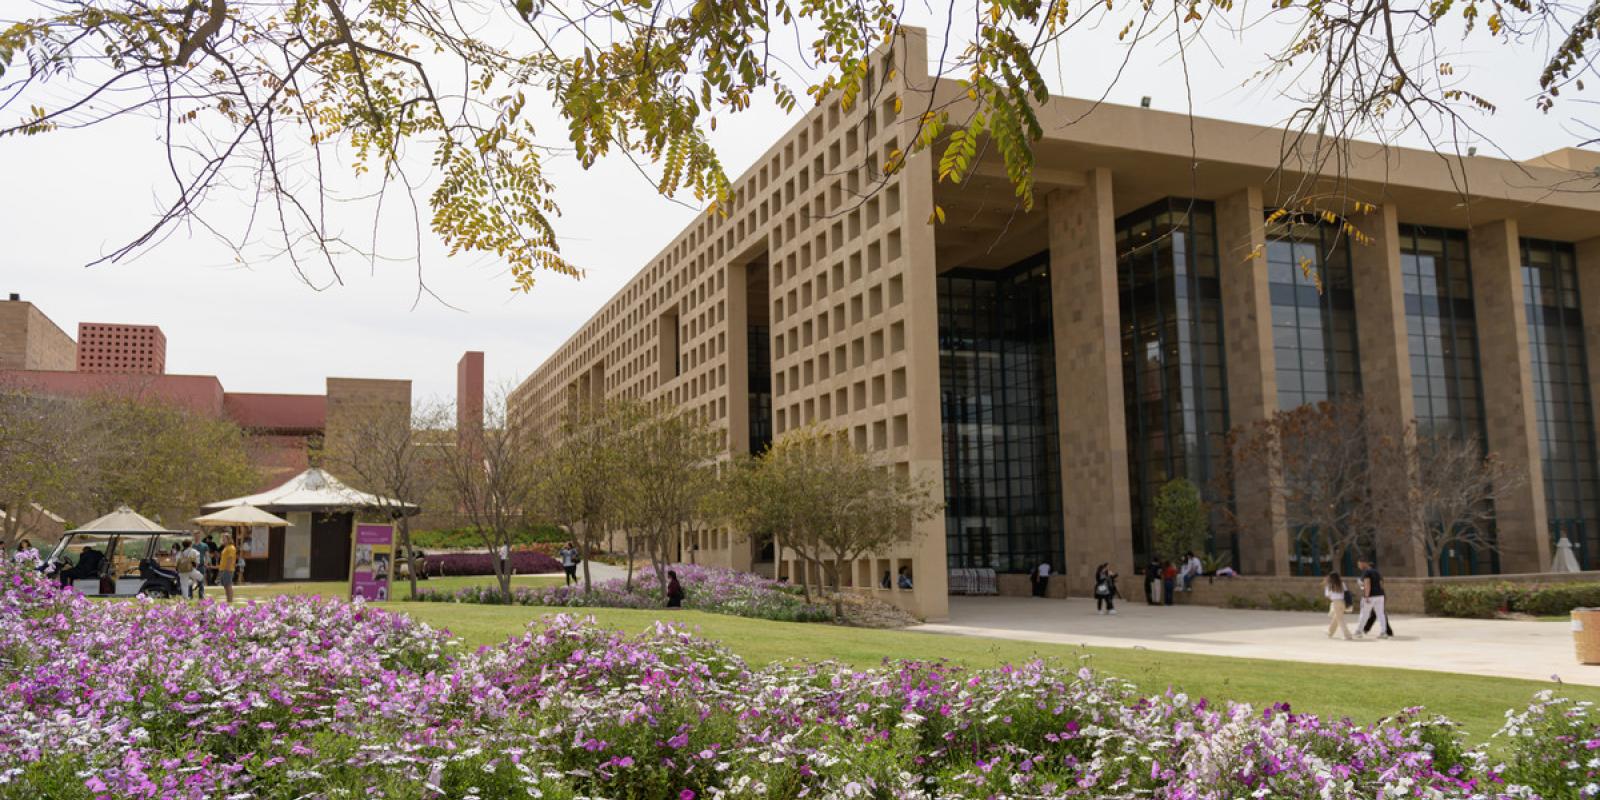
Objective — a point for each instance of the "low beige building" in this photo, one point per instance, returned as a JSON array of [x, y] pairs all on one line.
[[1055, 366], [30, 340]]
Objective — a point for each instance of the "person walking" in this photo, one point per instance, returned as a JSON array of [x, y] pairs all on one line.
[[205, 558], [1169, 582], [1152, 574], [569, 562], [1105, 589], [1333, 589], [183, 566], [674, 590], [244, 552], [225, 564], [189, 565], [1041, 579], [212, 551], [1372, 600]]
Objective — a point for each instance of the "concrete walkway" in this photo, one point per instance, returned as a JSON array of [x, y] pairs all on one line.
[[1541, 651]]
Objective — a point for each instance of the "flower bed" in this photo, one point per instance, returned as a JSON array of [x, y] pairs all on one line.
[[524, 562], [308, 698], [719, 591]]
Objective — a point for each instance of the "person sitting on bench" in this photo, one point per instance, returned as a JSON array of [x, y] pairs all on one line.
[[88, 566]]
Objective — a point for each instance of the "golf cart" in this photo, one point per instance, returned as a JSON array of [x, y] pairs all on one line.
[[119, 555]]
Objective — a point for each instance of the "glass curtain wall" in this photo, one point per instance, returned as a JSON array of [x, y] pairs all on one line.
[[998, 400], [1442, 330], [1561, 389], [1310, 279], [1174, 385], [1309, 276]]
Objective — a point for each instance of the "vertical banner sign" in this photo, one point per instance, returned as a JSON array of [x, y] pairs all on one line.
[[372, 563]]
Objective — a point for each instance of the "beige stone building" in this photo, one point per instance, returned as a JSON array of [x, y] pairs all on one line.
[[30, 340], [1055, 366]]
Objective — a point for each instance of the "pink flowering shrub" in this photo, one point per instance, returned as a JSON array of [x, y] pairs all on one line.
[[301, 698], [719, 591], [523, 562]]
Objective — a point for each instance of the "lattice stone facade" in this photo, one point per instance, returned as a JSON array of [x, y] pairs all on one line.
[[816, 299]]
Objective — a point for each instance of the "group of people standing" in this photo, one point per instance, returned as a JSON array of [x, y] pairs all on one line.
[[205, 561], [1170, 578]]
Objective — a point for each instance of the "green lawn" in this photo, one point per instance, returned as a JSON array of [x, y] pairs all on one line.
[[1362, 693]]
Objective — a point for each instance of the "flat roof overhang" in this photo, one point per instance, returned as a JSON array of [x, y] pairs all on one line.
[[1155, 154]]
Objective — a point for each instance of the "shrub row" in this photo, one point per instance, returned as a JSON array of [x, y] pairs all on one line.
[[1486, 600], [719, 591], [467, 538], [523, 562]]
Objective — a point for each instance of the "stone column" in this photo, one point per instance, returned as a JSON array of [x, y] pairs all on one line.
[[1504, 362], [929, 563], [1088, 352], [1386, 388], [1588, 253], [1252, 373], [740, 553]]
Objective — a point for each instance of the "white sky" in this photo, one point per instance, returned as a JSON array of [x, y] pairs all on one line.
[[67, 197]]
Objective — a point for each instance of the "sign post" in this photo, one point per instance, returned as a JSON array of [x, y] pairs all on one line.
[[372, 562]]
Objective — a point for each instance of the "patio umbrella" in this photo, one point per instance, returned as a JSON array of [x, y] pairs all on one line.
[[123, 520], [243, 514]]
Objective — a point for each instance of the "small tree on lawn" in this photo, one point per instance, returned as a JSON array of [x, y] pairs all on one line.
[[579, 474], [395, 454], [668, 471], [783, 491], [1457, 489], [490, 479], [830, 503], [1180, 519], [159, 458], [40, 455]]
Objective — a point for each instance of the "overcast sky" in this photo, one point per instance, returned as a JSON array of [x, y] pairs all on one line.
[[70, 196]]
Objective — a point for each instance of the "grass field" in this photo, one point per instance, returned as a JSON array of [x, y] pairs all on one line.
[[1361, 693]]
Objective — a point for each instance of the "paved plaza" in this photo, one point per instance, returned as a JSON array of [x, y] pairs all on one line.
[[1540, 651]]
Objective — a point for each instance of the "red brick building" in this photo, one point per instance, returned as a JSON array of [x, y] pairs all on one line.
[[105, 347]]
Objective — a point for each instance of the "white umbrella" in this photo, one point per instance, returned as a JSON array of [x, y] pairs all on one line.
[[123, 520], [243, 514]]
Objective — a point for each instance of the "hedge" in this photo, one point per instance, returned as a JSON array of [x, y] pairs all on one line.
[[468, 539], [1487, 600], [523, 562]]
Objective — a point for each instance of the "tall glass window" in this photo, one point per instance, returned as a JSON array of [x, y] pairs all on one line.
[[1442, 329], [998, 400], [1174, 387], [1442, 332], [1561, 389], [1313, 314]]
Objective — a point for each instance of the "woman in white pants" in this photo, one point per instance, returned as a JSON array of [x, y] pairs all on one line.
[[1333, 589]]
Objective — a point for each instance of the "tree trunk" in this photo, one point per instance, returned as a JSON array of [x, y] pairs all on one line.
[[838, 590], [660, 567], [627, 585], [805, 585], [502, 566], [405, 542], [586, 552]]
